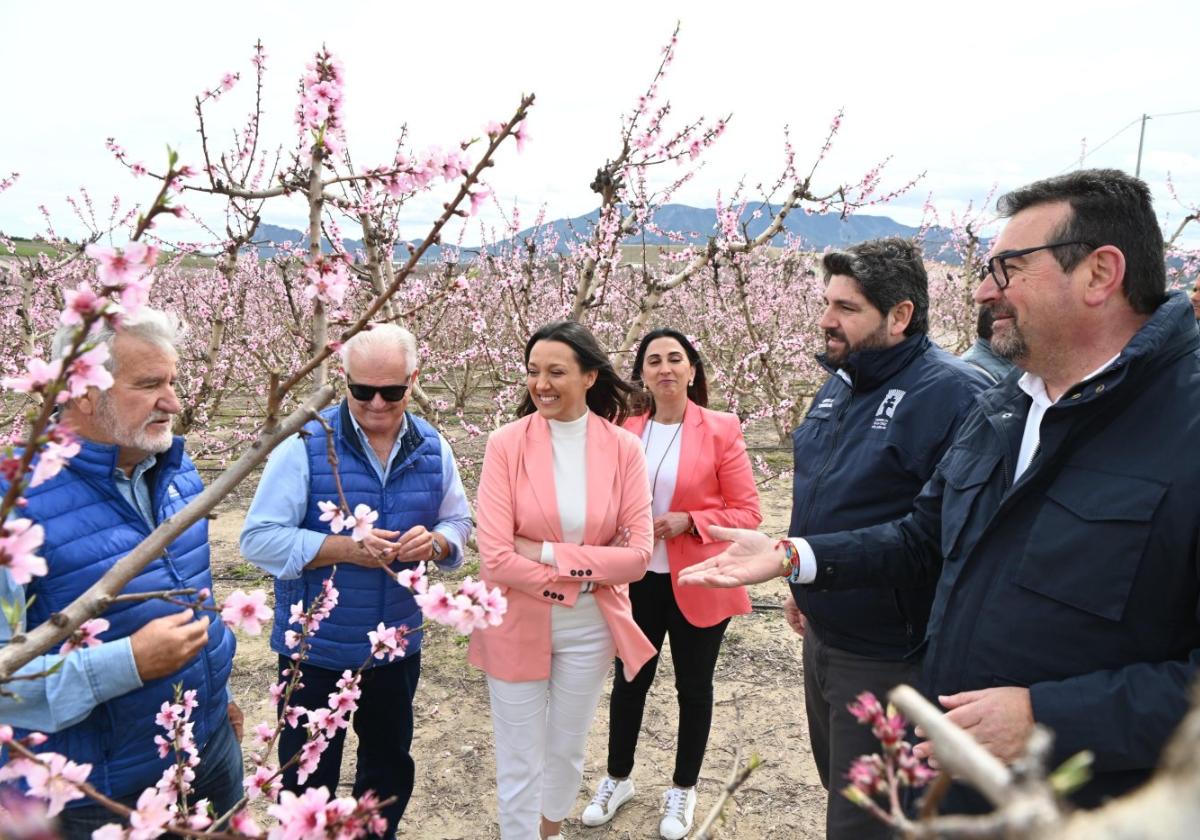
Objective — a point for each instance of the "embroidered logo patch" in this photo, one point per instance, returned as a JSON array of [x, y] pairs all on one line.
[[887, 408]]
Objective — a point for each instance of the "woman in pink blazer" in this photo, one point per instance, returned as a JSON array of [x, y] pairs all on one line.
[[563, 526], [700, 476]]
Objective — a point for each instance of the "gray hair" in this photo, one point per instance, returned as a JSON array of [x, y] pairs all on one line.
[[382, 337], [155, 326]]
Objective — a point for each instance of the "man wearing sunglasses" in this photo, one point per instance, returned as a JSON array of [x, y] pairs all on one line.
[[398, 465], [1062, 524]]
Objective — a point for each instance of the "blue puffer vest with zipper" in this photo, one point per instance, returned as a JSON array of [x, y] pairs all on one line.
[[89, 527], [411, 495]]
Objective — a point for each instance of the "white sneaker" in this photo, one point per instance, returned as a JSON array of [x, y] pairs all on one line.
[[610, 796], [679, 806]]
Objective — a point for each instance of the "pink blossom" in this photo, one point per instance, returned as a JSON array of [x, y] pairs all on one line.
[[331, 512], [413, 578], [865, 707], [276, 691], [345, 701], [263, 782], [6, 734], [328, 280], [86, 636], [477, 199], [492, 128], [292, 714], [436, 603], [228, 81], [19, 539], [310, 757], [522, 135], [56, 780], [326, 721], [199, 819], [246, 612], [154, 810], [80, 303], [866, 773], [38, 375], [120, 267], [263, 733], [388, 642], [363, 523], [138, 169], [244, 824], [134, 295], [61, 447], [300, 817], [110, 831], [88, 371]]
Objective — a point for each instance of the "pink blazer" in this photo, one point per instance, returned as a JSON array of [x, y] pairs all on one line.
[[716, 486], [517, 496]]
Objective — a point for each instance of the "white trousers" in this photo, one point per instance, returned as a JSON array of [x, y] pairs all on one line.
[[541, 726]]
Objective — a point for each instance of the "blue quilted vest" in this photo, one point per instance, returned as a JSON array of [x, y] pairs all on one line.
[[411, 496], [89, 527]]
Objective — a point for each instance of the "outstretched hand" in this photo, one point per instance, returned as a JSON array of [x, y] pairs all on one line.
[[751, 558]]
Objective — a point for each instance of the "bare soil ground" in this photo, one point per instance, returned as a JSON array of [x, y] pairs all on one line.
[[759, 712]]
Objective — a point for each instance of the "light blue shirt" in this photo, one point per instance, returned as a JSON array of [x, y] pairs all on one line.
[[85, 679], [136, 490], [272, 538]]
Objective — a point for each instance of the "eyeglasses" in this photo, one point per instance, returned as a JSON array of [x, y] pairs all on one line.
[[366, 393], [997, 265]]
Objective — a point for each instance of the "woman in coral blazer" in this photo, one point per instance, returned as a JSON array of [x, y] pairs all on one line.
[[563, 526], [700, 476]]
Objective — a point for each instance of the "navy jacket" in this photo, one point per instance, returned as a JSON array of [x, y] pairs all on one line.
[[1081, 580], [862, 454]]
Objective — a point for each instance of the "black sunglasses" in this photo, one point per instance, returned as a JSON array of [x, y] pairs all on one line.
[[366, 393], [997, 266]]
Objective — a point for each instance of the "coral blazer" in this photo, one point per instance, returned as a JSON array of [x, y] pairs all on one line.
[[517, 496], [715, 486]]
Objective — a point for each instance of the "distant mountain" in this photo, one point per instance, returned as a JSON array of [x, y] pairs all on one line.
[[816, 231]]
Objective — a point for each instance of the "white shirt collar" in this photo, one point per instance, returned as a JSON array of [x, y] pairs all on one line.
[[1035, 386]]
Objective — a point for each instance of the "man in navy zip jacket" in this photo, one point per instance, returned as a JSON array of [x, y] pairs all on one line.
[[872, 437], [130, 475], [1062, 526]]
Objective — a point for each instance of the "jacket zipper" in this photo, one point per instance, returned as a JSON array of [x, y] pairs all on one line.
[[816, 484]]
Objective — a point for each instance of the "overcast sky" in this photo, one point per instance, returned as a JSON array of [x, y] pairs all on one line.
[[972, 94]]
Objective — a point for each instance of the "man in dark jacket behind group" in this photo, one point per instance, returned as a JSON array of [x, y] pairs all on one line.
[[1062, 526], [872, 438]]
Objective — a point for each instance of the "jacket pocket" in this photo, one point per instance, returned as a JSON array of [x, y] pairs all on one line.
[[965, 472], [1088, 538]]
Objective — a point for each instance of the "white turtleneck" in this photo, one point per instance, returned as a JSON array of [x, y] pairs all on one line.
[[569, 442]]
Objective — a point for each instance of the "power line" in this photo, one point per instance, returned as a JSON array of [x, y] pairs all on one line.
[[1095, 149], [1142, 119], [1174, 114]]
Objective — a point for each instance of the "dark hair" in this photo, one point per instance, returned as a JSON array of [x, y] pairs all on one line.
[[888, 271], [983, 322], [609, 396], [1108, 207], [697, 391]]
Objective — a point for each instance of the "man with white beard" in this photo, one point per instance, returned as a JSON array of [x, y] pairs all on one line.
[[99, 704]]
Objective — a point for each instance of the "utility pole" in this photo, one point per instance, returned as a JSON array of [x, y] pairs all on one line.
[[1141, 141]]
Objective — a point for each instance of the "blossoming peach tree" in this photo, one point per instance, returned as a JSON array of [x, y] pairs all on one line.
[[110, 284]]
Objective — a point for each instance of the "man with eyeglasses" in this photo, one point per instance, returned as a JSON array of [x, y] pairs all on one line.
[[1062, 526], [398, 465]]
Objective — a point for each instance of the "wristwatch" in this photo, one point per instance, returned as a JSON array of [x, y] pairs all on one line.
[[435, 550]]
